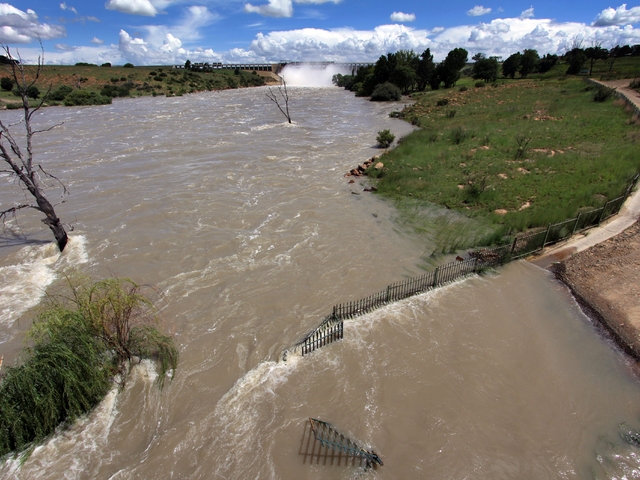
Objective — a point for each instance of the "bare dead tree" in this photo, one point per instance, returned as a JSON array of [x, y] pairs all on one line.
[[283, 97], [30, 176]]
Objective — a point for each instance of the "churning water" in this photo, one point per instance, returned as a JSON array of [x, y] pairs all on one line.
[[248, 227]]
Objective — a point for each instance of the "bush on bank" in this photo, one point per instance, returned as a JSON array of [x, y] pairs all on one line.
[[79, 342]]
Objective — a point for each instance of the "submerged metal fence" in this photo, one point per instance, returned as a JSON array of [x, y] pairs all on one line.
[[332, 327]]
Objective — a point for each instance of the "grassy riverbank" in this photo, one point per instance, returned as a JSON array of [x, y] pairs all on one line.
[[95, 81], [509, 157]]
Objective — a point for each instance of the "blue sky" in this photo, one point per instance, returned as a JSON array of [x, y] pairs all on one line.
[[162, 32]]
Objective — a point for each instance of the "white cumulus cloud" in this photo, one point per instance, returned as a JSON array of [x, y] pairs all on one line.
[[17, 26], [478, 10], [275, 8], [618, 16], [402, 17], [281, 8], [97, 41], [528, 13], [64, 6], [133, 7]]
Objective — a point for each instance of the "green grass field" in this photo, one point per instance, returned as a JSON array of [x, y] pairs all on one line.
[[509, 157]]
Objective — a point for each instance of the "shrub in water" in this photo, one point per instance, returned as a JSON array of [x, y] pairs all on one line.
[[386, 92], [79, 341], [385, 138]]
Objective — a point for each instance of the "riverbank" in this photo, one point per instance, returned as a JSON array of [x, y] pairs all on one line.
[[509, 157], [605, 279]]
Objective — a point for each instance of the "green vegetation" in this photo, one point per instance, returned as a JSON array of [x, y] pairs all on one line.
[[98, 85], [518, 156], [78, 343], [386, 92], [385, 138]]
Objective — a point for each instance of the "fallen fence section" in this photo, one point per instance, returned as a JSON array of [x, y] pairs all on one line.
[[331, 328], [329, 437]]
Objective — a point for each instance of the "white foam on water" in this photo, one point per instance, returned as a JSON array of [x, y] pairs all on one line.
[[31, 270], [89, 434]]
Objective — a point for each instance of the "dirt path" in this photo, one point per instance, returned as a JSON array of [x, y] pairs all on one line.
[[602, 267]]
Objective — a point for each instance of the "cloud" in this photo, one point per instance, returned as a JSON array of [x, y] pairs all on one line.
[[64, 47], [275, 8], [402, 17], [281, 8], [619, 16], [140, 52], [528, 13], [133, 7], [64, 6], [97, 41], [17, 26], [478, 10]]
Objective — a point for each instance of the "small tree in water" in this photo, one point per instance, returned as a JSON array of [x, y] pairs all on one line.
[[30, 176], [283, 97]]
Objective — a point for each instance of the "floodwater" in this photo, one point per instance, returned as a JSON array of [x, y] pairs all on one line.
[[250, 231]]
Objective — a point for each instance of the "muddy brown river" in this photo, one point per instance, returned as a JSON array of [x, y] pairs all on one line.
[[250, 231]]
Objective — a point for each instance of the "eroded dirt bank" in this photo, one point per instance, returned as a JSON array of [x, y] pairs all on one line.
[[606, 281]]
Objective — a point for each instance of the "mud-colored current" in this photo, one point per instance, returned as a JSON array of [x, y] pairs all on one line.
[[250, 231]]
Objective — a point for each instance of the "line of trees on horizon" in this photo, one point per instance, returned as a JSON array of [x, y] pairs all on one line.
[[405, 71]]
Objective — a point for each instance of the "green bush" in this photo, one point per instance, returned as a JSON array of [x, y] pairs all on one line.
[[443, 102], [113, 91], [6, 84], [479, 84], [463, 88], [106, 64], [80, 340], [128, 65], [84, 97], [603, 94], [61, 93], [14, 106], [386, 92], [385, 138]]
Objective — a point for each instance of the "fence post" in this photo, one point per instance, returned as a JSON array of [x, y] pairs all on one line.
[[576, 224], [546, 236], [513, 247], [435, 277], [602, 213]]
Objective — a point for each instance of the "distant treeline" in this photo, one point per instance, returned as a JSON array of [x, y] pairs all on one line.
[[405, 71]]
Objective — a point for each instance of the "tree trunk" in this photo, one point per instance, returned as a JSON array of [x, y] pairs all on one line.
[[52, 220]]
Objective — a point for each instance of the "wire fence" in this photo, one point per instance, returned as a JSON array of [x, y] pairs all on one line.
[[332, 327]]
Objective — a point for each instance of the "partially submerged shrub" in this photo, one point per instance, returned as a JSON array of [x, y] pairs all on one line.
[[385, 138], [78, 342], [386, 92]]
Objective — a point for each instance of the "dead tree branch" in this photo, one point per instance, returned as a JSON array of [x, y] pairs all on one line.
[[21, 162], [284, 95]]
